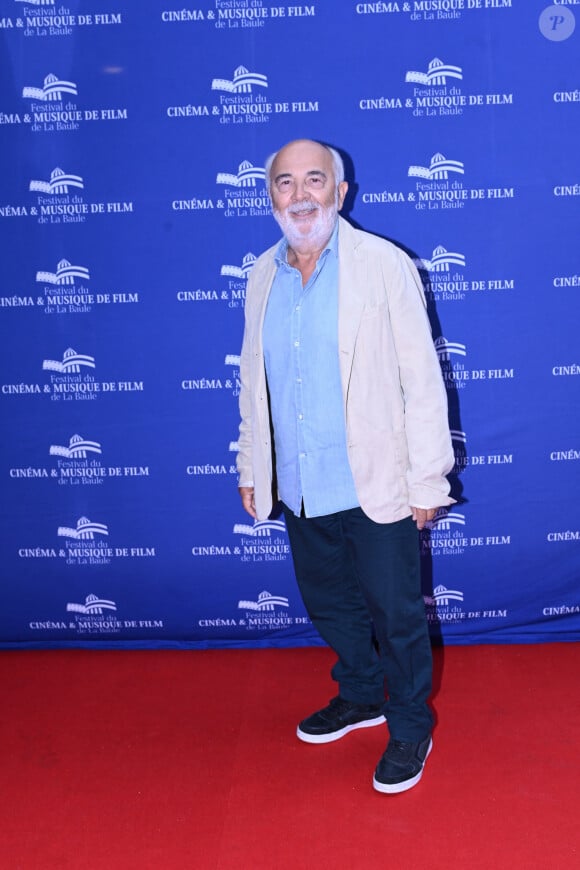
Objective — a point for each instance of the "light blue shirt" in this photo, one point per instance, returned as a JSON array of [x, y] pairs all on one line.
[[300, 341]]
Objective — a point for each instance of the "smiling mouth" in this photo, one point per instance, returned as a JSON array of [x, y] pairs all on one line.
[[304, 212]]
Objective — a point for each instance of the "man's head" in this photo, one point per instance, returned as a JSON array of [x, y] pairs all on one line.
[[307, 188]]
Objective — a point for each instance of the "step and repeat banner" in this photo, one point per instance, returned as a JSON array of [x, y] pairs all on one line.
[[133, 206]]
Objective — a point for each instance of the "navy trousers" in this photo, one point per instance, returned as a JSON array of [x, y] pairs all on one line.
[[360, 580]]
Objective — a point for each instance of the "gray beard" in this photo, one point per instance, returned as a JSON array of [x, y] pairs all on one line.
[[319, 233]]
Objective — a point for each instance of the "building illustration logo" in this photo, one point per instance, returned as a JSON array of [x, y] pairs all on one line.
[[60, 182], [78, 448], [442, 596], [65, 274], [444, 519], [71, 362], [93, 605], [52, 89], [37, 2], [240, 271], [85, 530], [445, 348], [436, 75], [246, 177], [241, 83], [265, 602], [439, 168], [232, 359], [260, 529], [441, 260], [234, 447], [458, 436]]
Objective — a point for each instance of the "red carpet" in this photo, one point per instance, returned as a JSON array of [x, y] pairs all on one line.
[[177, 759]]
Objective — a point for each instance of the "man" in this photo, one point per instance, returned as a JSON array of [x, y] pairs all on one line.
[[344, 419]]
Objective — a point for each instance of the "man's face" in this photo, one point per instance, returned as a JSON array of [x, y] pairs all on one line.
[[305, 197]]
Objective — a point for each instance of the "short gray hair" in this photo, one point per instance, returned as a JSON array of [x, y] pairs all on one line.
[[337, 164]]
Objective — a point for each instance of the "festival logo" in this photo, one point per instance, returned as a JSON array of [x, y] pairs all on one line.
[[235, 293], [78, 448], [51, 91], [57, 202], [444, 280], [439, 168], [244, 194], [72, 362], [93, 605], [241, 272], [230, 382], [41, 18], [267, 612], [52, 108], [71, 378], [240, 15], [439, 186], [87, 544], [243, 99], [59, 182], [215, 469], [264, 541], [69, 381], [455, 374], [430, 10], [265, 603], [446, 535], [436, 93], [78, 463], [444, 607], [66, 291], [463, 460], [94, 616], [436, 75]]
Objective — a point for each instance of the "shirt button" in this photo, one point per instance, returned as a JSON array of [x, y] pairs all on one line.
[[300, 416], [296, 344], [303, 456], [298, 380]]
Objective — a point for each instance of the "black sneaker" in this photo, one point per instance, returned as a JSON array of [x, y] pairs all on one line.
[[401, 766], [336, 720]]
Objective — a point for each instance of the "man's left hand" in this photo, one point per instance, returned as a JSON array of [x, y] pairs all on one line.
[[422, 516]]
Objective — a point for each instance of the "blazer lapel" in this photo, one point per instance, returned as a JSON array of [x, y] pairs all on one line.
[[352, 274]]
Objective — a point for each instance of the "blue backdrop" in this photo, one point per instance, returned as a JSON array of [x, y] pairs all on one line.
[[132, 208]]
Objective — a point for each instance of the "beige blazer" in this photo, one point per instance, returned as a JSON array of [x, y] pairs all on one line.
[[395, 405]]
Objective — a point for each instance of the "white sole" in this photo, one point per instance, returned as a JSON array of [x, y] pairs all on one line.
[[398, 787], [336, 735]]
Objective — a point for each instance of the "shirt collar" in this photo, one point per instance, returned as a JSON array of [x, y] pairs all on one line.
[[281, 254]]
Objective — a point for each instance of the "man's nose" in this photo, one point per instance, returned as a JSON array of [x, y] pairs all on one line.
[[300, 191]]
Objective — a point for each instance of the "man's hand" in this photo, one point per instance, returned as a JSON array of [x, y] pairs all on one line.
[[422, 516], [247, 496]]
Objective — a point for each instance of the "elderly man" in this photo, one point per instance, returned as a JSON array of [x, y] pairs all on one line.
[[344, 419]]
